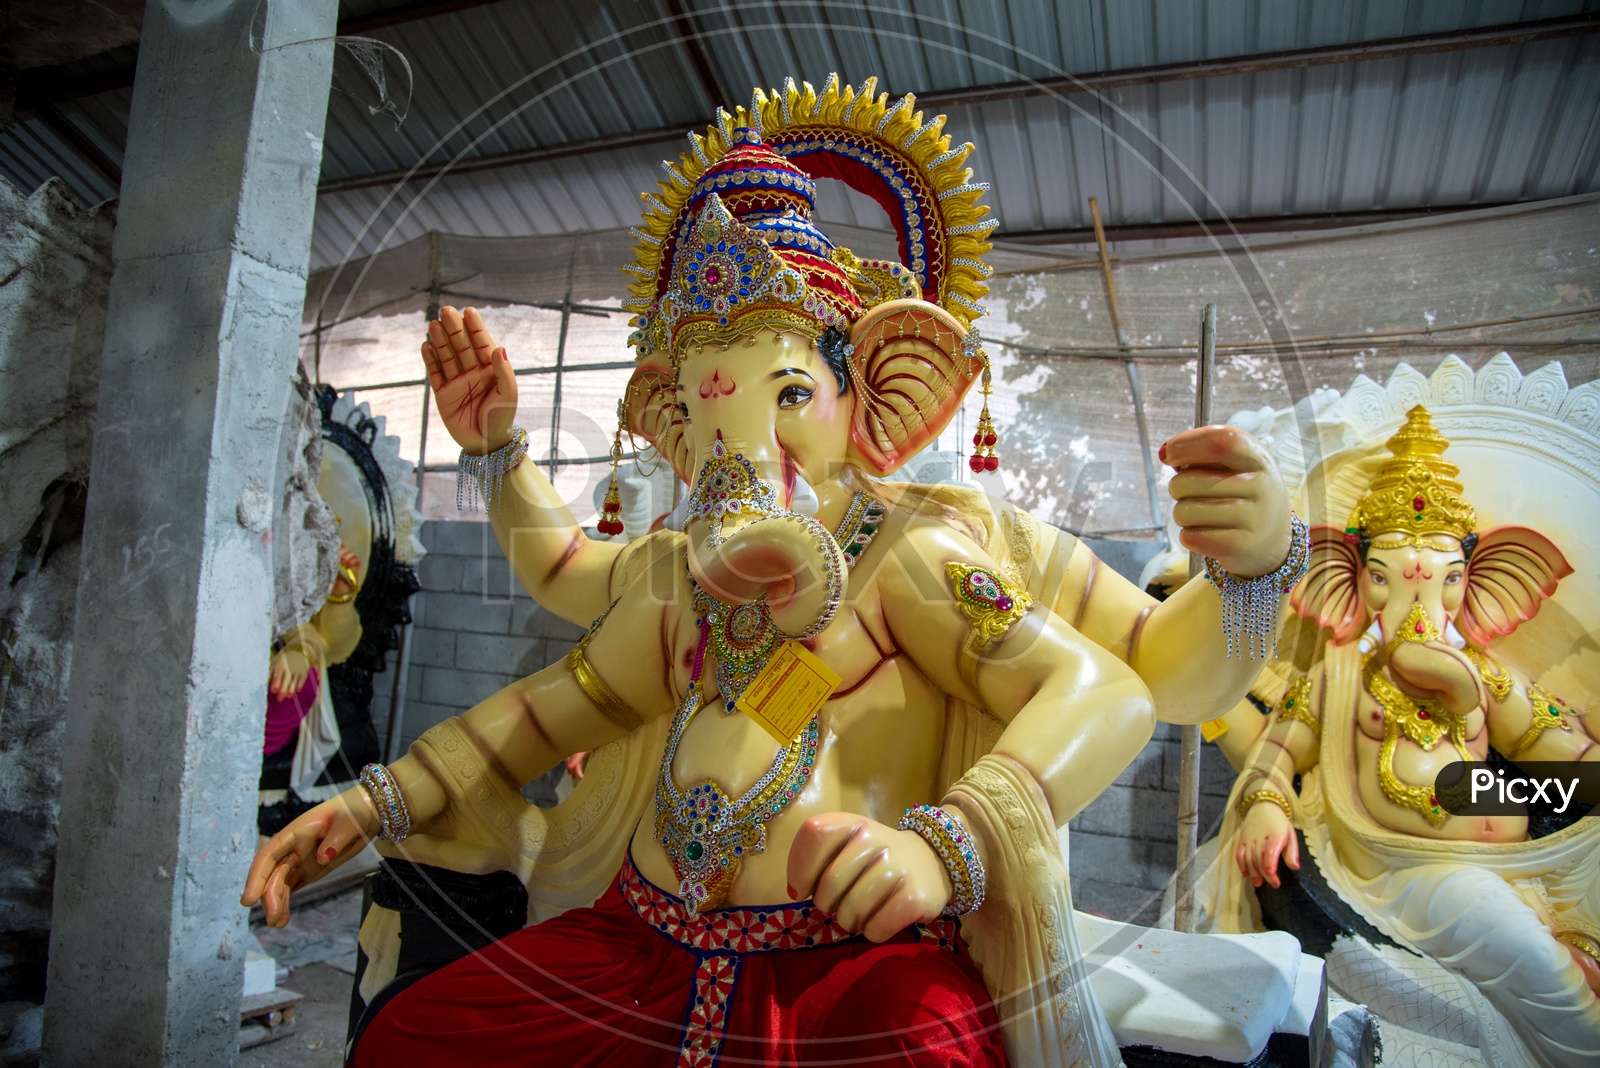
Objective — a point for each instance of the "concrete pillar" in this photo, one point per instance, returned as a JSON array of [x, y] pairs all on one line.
[[168, 685]]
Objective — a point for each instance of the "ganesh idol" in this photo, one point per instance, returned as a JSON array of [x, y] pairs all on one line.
[[1412, 596], [836, 722]]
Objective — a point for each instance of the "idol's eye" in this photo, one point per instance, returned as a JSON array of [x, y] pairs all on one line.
[[793, 396], [1453, 579], [1378, 578]]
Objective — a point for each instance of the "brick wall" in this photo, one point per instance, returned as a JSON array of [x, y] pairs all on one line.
[[475, 631]]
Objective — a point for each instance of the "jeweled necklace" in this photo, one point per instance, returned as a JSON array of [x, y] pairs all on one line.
[[1427, 723], [706, 834], [744, 636]]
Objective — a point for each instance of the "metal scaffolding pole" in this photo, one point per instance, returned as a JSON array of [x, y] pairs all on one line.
[[1189, 751]]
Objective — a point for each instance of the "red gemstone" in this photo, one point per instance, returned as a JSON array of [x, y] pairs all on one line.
[[1422, 713], [975, 462], [991, 463], [1418, 503], [713, 275], [1433, 799], [1003, 603], [1421, 627]]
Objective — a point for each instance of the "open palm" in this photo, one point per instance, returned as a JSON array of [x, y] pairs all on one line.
[[471, 379]]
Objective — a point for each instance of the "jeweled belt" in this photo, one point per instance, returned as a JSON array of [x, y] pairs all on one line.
[[721, 938]]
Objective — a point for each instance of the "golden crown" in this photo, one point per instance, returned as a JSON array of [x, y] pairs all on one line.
[[1415, 493], [761, 162]]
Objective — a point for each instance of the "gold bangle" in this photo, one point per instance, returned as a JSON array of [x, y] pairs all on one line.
[[1581, 942], [1249, 800], [347, 573], [594, 687]]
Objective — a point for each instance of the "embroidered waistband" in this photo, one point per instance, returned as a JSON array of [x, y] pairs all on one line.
[[747, 929], [723, 937]]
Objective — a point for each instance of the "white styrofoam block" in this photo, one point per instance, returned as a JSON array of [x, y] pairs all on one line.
[[1218, 996], [260, 973], [1307, 997]]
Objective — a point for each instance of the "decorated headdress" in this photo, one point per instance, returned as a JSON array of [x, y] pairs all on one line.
[[698, 272], [1415, 492]]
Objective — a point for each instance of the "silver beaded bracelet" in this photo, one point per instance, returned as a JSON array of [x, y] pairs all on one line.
[[950, 840], [394, 818], [482, 475], [1250, 606]]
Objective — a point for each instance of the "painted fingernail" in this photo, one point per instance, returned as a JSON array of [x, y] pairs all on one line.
[[790, 889], [1162, 452]]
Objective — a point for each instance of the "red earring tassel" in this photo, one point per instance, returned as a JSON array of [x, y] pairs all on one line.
[[983, 457]]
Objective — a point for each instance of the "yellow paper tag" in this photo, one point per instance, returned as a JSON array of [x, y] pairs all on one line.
[[788, 691], [1212, 729]]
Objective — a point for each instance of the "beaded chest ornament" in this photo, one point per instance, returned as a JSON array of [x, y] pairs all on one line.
[[706, 833]]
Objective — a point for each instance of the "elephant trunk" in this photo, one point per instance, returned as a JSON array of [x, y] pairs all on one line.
[[786, 556]]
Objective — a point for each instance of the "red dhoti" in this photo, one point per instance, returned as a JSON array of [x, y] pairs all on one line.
[[634, 980]]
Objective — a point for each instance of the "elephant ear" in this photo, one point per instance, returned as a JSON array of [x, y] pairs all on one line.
[[910, 374], [650, 411], [1513, 569], [1328, 594]]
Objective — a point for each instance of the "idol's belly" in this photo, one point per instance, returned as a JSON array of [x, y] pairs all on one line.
[[1414, 766], [877, 753]]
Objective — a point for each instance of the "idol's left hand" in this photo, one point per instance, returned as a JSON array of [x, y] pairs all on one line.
[[873, 879], [1228, 499]]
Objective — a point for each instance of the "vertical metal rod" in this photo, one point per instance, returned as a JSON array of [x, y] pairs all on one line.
[[316, 358], [1189, 751], [432, 314], [397, 700], [422, 450], [561, 364], [1135, 387]]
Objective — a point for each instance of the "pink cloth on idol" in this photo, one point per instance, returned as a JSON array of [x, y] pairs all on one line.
[[285, 713]]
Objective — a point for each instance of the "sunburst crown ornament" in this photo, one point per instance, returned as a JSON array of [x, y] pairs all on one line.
[[727, 243], [1415, 493]]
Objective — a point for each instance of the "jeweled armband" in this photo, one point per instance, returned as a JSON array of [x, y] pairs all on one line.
[[991, 605], [394, 819], [482, 475], [1296, 704], [1548, 711], [950, 840], [1250, 606]]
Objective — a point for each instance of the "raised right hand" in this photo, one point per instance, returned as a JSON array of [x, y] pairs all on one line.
[[471, 379], [309, 848], [1266, 835]]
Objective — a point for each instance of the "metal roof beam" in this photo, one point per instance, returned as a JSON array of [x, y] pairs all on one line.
[[687, 32], [1390, 48], [1225, 228], [1290, 59]]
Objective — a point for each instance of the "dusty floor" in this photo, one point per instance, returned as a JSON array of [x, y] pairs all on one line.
[[318, 948], [318, 1039]]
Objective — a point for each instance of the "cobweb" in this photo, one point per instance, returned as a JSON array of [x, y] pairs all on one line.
[[375, 75]]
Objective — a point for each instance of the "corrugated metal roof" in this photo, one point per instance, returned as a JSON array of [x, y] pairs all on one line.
[[1483, 125]]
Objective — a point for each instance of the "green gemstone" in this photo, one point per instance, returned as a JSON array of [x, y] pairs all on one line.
[[868, 528], [1417, 518], [1289, 703], [1553, 711], [694, 850], [854, 549]]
